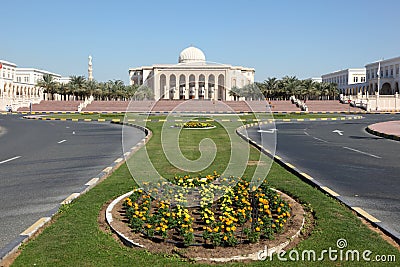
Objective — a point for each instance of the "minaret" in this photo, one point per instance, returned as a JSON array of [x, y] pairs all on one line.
[[90, 69]]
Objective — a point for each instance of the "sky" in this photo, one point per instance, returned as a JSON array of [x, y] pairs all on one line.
[[287, 37]]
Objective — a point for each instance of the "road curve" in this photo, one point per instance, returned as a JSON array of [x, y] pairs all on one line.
[[43, 162], [361, 168]]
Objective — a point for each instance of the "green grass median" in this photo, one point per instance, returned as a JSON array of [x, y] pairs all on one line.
[[75, 239]]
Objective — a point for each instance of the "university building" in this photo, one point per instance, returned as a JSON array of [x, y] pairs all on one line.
[[18, 85], [192, 77], [349, 81]]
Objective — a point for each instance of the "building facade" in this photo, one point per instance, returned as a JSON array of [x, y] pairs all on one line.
[[389, 76], [192, 78], [18, 85], [349, 81]]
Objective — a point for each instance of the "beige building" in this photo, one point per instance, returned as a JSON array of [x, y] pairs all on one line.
[[389, 78], [192, 77], [349, 81], [18, 85]]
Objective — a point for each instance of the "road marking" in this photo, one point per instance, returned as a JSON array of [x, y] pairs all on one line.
[[366, 214], [39, 223], [267, 131], [7, 160], [62, 141], [330, 191], [316, 138], [70, 198], [361, 152], [338, 132]]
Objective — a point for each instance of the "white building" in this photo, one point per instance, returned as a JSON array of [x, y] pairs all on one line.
[[349, 81], [192, 77], [389, 79], [18, 85]]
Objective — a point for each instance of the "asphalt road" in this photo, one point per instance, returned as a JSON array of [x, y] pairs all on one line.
[[364, 169], [43, 162]]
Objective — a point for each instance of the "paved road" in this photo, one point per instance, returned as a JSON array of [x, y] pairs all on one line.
[[43, 162], [362, 168]]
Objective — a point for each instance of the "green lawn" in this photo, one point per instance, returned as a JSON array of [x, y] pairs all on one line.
[[74, 239]]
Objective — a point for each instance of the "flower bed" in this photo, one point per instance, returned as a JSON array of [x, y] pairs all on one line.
[[195, 125], [242, 215]]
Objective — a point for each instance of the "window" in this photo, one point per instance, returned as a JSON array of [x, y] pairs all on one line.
[[391, 72], [397, 69], [386, 73], [355, 79]]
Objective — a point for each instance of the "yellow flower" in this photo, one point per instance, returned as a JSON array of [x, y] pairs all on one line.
[[228, 229], [233, 228], [258, 229], [225, 238]]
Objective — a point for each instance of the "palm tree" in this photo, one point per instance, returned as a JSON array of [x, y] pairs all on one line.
[[271, 87], [77, 85], [49, 84], [235, 92]]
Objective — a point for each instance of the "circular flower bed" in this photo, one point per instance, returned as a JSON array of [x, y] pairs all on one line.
[[195, 125], [242, 215]]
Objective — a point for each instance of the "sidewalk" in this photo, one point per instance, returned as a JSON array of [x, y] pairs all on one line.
[[388, 129]]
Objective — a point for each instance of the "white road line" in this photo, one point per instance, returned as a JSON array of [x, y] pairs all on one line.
[[361, 152], [7, 160], [316, 138], [62, 141]]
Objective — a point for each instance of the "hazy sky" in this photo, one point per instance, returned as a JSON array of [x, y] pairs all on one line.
[[277, 38]]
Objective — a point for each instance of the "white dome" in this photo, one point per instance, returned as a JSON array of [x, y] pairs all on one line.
[[191, 54]]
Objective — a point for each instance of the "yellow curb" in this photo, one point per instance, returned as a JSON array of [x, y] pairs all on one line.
[[178, 120], [87, 120], [290, 165], [39, 223], [108, 169], [118, 160], [330, 191], [313, 119], [131, 120], [277, 157], [115, 120], [225, 120], [307, 176], [70, 198], [146, 119], [101, 119], [366, 214], [286, 120], [333, 119], [74, 119], [63, 119], [162, 120], [52, 119], [92, 181], [324, 119], [300, 119]]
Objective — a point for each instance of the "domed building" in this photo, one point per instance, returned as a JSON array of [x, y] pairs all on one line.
[[192, 78]]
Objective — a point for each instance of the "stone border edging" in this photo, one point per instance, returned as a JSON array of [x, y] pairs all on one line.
[[311, 181], [252, 256], [45, 221], [384, 135]]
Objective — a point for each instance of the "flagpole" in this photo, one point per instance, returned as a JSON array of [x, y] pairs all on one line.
[[379, 85]]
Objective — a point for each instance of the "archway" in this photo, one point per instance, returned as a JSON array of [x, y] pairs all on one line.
[[192, 84], [211, 85], [386, 89], [221, 87], [202, 84], [163, 86], [182, 86], [172, 86]]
